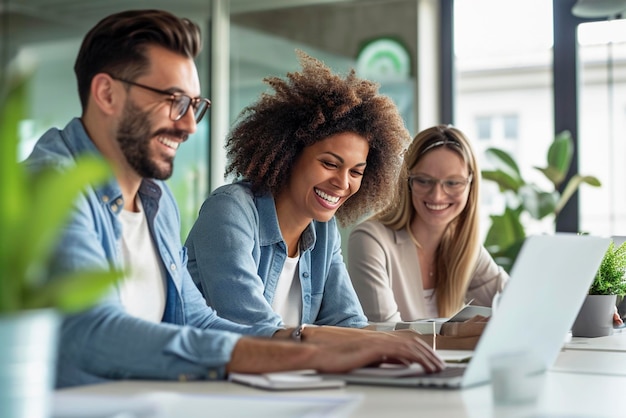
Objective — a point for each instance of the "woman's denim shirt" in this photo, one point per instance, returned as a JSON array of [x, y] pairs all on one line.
[[191, 342], [236, 254]]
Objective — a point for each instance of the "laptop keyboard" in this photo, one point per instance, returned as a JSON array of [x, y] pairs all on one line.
[[450, 371], [448, 377]]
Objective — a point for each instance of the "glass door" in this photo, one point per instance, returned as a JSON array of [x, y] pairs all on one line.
[[602, 125]]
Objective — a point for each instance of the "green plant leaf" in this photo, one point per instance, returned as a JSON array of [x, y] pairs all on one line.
[[33, 211], [555, 176], [504, 231], [55, 191], [504, 181], [506, 258], [505, 238], [538, 203], [74, 292], [609, 279], [13, 93], [13, 180], [502, 161], [572, 185], [560, 156]]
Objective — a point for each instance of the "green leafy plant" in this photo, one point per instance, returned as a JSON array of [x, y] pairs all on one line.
[[507, 232], [34, 208], [609, 279]]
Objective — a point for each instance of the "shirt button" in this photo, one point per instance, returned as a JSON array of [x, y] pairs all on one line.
[[119, 201], [105, 199], [114, 207], [306, 274], [173, 267]]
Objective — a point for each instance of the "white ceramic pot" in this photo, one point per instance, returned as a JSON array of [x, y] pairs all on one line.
[[595, 318], [28, 362]]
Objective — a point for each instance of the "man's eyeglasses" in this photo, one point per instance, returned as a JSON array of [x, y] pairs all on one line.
[[453, 187], [180, 102]]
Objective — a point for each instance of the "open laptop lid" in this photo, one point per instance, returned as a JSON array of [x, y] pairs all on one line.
[[547, 287]]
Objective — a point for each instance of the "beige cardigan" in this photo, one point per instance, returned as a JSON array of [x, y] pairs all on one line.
[[385, 272]]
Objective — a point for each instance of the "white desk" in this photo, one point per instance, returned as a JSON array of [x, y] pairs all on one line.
[[614, 343], [601, 355], [587, 380], [591, 362], [563, 394]]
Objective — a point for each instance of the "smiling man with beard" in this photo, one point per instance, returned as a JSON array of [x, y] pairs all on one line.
[[140, 94]]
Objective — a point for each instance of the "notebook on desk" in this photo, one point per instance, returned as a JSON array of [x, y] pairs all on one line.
[[548, 283], [433, 325]]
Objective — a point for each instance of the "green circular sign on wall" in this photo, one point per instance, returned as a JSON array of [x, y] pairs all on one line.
[[384, 59]]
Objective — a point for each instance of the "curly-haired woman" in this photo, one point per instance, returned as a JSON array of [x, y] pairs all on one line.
[[267, 249], [421, 257]]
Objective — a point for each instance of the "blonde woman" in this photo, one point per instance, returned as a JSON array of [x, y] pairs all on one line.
[[421, 257]]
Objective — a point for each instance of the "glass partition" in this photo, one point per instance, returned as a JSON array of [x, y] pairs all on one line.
[[263, 43], [602, 125], [503, 88]]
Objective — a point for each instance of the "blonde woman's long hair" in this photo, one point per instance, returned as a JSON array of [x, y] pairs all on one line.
[[456, 255]]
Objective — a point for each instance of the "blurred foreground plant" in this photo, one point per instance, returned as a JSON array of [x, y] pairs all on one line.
[[33, 211]]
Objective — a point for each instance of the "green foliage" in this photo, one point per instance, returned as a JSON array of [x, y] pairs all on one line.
[[610, 279], [33, 211], [507, 233]]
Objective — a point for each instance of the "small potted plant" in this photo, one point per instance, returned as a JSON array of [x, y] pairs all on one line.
[[595, 318], [33, 210]]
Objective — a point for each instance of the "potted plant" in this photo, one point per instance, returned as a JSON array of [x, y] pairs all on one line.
[[524, 199], [33, 210], [595, 318]]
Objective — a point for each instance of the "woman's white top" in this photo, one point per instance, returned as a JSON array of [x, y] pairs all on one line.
[[430, 303], [287, 300]]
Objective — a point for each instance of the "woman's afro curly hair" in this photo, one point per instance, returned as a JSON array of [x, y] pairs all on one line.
[[310, 106]]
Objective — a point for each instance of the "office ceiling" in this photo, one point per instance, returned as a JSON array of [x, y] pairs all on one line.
[[81, 13], [22, 20]]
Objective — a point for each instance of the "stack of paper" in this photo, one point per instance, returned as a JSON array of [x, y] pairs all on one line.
[[296, 380]]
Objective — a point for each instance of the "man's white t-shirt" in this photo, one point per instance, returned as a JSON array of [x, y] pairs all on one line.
[[143, 290]]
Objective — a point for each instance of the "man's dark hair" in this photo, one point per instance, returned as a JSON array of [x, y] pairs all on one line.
[[117, 45]]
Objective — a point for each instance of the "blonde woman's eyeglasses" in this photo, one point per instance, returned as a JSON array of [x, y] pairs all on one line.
[[453, 186]]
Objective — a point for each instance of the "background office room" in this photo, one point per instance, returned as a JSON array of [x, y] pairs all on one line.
[[513, 75]]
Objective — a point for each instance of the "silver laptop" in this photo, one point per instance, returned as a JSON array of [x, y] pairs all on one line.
[[537, 308]]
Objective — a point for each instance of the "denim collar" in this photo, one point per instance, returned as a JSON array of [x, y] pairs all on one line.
[[269, 231]]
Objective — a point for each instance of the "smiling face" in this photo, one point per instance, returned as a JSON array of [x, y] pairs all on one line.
[[146, 135], [323, 177], [435, 208]]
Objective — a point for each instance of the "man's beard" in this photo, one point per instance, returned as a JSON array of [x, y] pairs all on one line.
[[134, 137]]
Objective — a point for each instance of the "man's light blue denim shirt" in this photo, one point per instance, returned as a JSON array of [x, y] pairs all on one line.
[[103, 343], [236, 254]]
